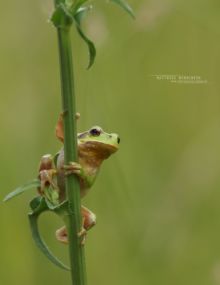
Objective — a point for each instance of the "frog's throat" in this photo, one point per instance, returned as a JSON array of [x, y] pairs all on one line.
[[96, 151]]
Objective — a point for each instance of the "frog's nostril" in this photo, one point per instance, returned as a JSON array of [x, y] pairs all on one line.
[[119, 140]]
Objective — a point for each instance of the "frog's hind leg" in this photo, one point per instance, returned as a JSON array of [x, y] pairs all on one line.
[[89, 220]]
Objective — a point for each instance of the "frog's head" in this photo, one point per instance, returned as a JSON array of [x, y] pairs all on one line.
[[96, 142], [93, 144]]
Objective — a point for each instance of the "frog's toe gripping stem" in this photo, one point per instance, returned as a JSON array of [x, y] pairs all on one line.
[[61, 235], [73, 168], [82, 234], [59, 130]]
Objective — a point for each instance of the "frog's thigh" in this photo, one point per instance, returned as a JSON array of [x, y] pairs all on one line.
[[89, 218]]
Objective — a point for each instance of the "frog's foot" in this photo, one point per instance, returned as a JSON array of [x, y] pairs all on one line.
[[46, 179], [89, 218], [59, 130], [77, 115], [61, 235], [46, 172], [73, 168], [88, 221]]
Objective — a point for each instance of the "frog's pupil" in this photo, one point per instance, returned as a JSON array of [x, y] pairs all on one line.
[[95, 132]]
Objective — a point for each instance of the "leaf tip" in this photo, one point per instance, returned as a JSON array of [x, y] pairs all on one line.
[[92, 59], [5, 199], [125, 6]]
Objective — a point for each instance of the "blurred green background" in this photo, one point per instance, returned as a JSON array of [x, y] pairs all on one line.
[[157, 200]]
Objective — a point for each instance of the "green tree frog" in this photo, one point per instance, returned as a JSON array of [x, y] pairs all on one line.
[[94, 146]]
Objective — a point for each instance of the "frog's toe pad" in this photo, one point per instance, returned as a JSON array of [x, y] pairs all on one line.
[[61, 235], [82, 234]]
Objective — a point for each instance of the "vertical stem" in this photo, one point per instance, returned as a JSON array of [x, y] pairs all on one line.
[[76, 250]]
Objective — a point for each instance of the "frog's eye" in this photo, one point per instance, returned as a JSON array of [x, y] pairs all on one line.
[[95, 132]]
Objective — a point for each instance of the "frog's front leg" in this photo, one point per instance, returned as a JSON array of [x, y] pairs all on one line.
[[88, 221], [86, 180]]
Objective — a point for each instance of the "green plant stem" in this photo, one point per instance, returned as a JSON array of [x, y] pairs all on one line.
[[74, 219]]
